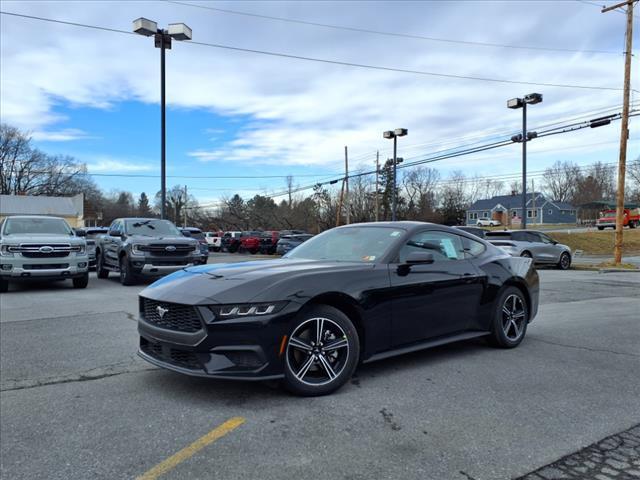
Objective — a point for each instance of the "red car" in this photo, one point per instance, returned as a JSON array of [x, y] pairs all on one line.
[[250, 241]]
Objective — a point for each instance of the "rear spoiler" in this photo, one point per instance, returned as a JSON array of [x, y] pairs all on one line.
[[501, 243]]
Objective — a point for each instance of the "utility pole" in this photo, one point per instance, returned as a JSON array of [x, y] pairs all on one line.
[[624, 133], [377, 191], [339, 209], [523, 223], [346, 176], [185, 206]]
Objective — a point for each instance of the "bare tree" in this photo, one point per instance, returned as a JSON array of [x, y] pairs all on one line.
[[420, 190], [561, 180]]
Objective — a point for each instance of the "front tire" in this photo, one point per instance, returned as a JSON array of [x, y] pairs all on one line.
[[101, 272], [565, 261], [321, 353], [126, 276], [81, 282], [510, 319]]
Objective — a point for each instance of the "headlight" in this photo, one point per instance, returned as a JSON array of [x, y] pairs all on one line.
[[224, 312], [4, 250], [136, 249], [82, 249]]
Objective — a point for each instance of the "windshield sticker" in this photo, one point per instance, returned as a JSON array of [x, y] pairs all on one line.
[[396, 233], [369, 258]]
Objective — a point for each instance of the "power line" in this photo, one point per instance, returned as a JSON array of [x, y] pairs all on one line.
[[338, 62], [391, 34]]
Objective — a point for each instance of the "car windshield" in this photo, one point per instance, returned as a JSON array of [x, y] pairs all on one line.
[[350, 244], [51, 226], [94, 233], [197, 235], [151, 227]]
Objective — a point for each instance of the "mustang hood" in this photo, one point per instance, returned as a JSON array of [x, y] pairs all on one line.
[[234, 282]]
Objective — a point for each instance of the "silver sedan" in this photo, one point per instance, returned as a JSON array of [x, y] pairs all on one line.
[[535, 245]]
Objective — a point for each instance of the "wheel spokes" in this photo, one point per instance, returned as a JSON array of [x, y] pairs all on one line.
[[305, 368], [319, 328], [341, 343], [327, 367], [300, 344]]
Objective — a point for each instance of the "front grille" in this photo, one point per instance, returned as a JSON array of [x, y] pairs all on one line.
[[182, 318], [51, 250], [174, 250], [180, 358], [45, 266], [178, 263]]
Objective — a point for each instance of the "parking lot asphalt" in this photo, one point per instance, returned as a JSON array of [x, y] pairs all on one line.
[[77, 403]]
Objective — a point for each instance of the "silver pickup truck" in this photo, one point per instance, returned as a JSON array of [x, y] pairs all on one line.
[[41, 248]]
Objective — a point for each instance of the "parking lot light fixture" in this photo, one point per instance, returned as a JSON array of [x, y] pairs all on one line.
[[394, 134], [524, 137], [162, 40]]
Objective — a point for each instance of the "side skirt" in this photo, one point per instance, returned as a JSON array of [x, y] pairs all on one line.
[[427, 344]]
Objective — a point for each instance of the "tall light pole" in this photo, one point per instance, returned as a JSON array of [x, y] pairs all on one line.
[[176, 31], [398, 132], [515, 103]]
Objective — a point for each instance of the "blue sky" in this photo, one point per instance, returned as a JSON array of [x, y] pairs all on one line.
[[95, 95]]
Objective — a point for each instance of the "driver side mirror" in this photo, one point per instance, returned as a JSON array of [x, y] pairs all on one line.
[[414, 258], [115, 233], [79, 232], [419, 258]]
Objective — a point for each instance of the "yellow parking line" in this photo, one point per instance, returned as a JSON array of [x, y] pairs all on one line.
[[187, 452]]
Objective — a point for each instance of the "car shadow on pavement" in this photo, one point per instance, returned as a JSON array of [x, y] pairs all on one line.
[[184, 388]]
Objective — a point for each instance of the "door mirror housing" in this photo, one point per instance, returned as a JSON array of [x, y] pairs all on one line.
[[115, 233], [79, 232], [419, 258]]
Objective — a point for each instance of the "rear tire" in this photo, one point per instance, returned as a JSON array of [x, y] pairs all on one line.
[[4, 285], [600, 228], [510, 318], [126, 276], [101, 272], [81, 282], [322, 352]]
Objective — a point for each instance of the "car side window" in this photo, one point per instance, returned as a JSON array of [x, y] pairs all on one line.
[[521, 237], [544, 238], [472, 248], [534, 237], [444, 246]]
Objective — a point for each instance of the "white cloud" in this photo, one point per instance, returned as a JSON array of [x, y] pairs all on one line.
[[64, 135], [100, 164]]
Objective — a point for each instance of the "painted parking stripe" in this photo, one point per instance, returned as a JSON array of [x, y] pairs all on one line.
[[187, 452]]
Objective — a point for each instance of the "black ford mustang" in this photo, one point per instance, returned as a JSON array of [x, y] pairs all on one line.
[[353, 294]]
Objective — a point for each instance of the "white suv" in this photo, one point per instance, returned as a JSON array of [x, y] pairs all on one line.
[[488, 222]]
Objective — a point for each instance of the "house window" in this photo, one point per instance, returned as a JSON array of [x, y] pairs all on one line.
[[531, 213], [485, 214], [473, 215], [550, 212], [514, 214]]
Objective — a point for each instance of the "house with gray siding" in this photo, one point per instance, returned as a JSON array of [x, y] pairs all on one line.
[[508, 210]]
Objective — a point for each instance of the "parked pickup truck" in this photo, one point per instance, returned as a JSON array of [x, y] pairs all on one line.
[[607, 218], [41, 248], [144, 247], [250, 241], [214, 240]]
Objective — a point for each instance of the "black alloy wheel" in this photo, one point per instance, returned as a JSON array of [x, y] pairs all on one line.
[[322, 352], [565, 261], [510, 319], [101, 272]]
